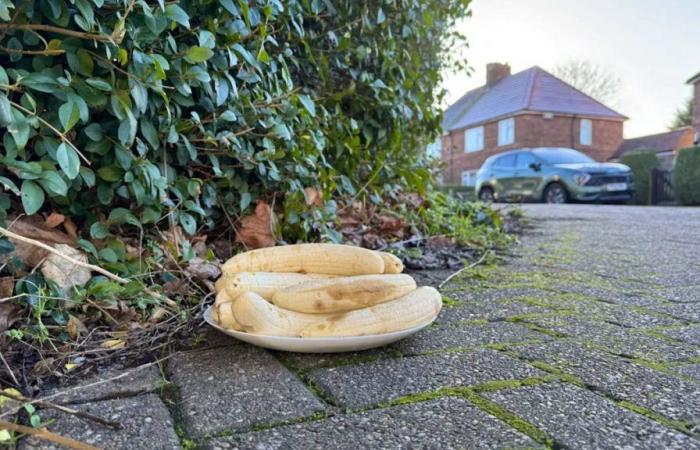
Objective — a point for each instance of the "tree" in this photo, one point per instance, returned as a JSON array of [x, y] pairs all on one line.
[[683, 117], [591, 79]]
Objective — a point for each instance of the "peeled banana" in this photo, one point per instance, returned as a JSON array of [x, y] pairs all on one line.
[[416, 308], [265, 284], [342, 294], [256, 315], [330, 259]]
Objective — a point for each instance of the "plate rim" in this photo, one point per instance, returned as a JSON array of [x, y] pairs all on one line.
[[235, 333]]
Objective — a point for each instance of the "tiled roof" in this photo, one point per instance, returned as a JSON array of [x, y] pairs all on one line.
[[656, 143], [533, 89]]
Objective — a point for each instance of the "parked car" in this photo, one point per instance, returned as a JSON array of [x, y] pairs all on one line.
[[552, 175]]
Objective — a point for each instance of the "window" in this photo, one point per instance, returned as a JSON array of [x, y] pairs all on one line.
[[586, 132], [506, 131], [524, 160], [469, 178], [474, 139], [505, 162]]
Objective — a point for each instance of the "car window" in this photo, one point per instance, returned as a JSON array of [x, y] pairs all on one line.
[[505, 162], [524, 160], [562, 156]]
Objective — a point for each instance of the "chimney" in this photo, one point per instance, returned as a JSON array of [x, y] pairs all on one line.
[[495, 72]]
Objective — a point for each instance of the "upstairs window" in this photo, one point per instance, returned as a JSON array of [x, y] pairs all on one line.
[[586, 137], [474, 139], [506, 131]]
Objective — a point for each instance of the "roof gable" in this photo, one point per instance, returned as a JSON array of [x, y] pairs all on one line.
[[655, 143], [533, 89], [694, 79]]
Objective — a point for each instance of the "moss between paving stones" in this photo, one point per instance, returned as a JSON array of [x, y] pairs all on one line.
[[683, 427], [472, 394], [448, 302]]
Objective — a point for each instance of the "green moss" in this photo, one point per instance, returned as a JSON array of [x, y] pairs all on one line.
[[685, 427], [509, 418], [448, 302], [185, 442]]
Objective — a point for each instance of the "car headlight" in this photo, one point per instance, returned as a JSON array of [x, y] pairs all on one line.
[[581, 178]]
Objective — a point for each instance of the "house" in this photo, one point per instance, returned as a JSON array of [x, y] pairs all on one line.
[[695, 82], [532, 108], [665, 145]]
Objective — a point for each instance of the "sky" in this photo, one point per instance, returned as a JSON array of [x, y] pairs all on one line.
[[653, 46]]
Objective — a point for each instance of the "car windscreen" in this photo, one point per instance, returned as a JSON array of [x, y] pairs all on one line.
[[561, 156]]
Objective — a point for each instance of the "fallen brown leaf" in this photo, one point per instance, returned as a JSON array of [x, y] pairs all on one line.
[[201, 268], [9, 313], [70, 228], [7, 287], [313, 197], [54, 220], [63, 272], [33, 227], [74, 327], [255, 230]]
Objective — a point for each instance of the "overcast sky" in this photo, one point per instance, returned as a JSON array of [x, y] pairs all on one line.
[[653, 46]]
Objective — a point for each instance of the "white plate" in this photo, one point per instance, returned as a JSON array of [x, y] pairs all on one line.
[[612, 187], [317, 344]]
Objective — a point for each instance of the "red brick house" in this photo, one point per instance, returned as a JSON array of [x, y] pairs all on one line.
[[531, 108], [665, 145], [695, 82]]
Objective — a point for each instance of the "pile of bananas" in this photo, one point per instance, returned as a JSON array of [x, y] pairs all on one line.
[[316, 290]]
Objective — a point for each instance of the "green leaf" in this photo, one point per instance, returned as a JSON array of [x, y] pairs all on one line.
[[6, 116], [68, 114], [178, 15], [245, 200], [99, 230], [9, 184], [308, 104], [52, 182], [110, 173], [228, 6], [94, 132], [188, 223], [32, 197], [68, 160], [198, 54], [99, 84]]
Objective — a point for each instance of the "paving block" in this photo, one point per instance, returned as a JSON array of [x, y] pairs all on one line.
[[111, 384], [620, 379], [377, 382], [145, 419], [577, 418], [466, 336], [235, 388], [443, 423]]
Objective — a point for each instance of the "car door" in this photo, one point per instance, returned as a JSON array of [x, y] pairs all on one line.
[[503, 171], [526, 178]]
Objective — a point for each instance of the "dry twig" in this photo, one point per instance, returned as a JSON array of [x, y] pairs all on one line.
[[88, 266], [470, 266], [45, 434], [71, 411]]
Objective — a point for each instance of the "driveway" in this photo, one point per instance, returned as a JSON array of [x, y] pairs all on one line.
[[589, 337]]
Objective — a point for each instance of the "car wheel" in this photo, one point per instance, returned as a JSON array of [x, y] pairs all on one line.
[[555, 193], [486, 195]]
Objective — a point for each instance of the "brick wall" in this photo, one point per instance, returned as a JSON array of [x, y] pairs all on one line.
[[531, 130]]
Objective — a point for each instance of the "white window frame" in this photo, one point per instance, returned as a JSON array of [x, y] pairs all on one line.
[[469, 177], [474, 139], [506, 131], [586, 132]]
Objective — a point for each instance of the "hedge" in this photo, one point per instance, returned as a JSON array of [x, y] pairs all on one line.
[[642, 164], [686, 176], [179, 112]]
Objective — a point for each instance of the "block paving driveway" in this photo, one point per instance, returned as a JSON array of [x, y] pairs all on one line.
[[588, 337]]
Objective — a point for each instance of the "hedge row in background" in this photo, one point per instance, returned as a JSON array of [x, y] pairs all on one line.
[[686, 176], [642, 164], [179, 112]]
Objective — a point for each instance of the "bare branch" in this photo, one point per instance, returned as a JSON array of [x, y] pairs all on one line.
[[591, 79]]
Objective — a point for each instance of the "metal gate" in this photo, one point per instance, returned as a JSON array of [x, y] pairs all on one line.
[[661, 187]]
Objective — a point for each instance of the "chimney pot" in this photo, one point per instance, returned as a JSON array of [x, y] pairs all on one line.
[[495, 72]]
